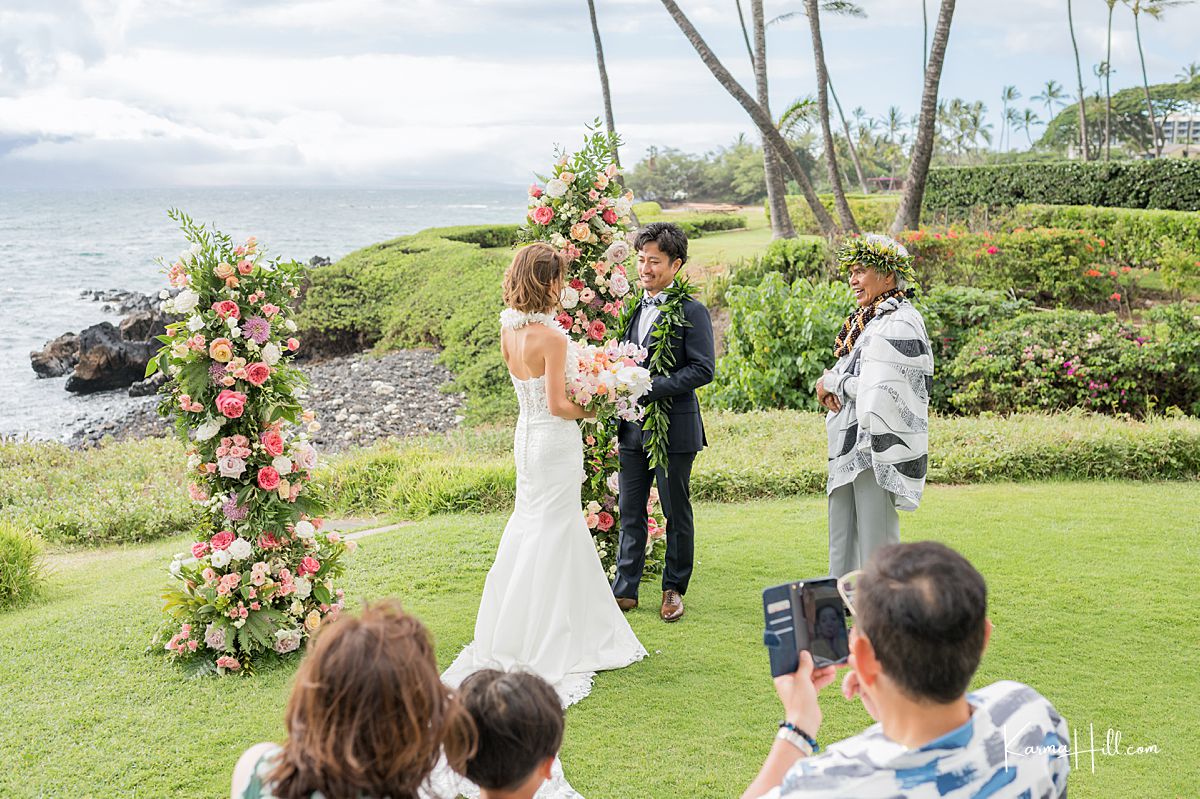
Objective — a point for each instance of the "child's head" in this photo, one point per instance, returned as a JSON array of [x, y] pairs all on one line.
[[534, 278], [519, 719]]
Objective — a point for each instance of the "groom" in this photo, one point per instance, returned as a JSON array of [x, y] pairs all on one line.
[[661, 253]]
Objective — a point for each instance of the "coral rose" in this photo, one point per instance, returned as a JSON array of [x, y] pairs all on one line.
[[604, 521], [222, 540], [581, 231], [609, 216], [309, 565], [231, 403], [268, 478], [543, 215], [596, 330], [272, 442], [258, 373], [227, 309]]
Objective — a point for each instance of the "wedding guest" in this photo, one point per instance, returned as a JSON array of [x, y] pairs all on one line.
[[368, 716], [877, 395], [921, 627], [520, 722]]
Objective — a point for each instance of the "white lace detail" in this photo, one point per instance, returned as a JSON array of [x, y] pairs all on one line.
[[512, 319]]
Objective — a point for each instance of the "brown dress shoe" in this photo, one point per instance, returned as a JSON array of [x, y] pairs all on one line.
[[626, 603], [672, 606]]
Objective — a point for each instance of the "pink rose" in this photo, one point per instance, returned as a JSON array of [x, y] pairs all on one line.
[[272, 442], [609, 216], [228, 662], [592, 520], [197, 493], [596, 330], [605, 521], [309, 565], [564, 320], [270, 309], [222, 539], [227, 309], [535, 191], [268, 478], [257, 373], [543, 215], [293, 344], [199, 549], [245, 267], [268, 541], [231, 403]]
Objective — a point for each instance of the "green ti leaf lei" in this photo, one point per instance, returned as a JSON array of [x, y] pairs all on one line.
[[670, 322]]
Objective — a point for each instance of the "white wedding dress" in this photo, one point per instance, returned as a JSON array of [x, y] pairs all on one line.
[[547, 606]]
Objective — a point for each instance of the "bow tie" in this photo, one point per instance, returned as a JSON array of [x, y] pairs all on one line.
[[653, 302]]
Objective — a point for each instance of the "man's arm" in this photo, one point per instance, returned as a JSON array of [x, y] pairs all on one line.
[[700, 359]]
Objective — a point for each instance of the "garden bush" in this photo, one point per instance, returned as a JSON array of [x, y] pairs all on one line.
[[779, 341], [791, 258], [874, 213], [694, 223], [22, 568], [1135, 236], [1077, 359], [483, 235], [1166, 183]]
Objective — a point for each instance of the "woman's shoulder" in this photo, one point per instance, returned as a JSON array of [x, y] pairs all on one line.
[[250, 772]]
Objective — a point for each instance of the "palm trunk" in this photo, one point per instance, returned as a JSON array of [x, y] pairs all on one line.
[[1154, 137], [608, 113], [925, 38], [1004, 129], [761, 118], [908, 216], [781, 220], [835, 177], [862, 181], [1108, 87], [1083, 134]]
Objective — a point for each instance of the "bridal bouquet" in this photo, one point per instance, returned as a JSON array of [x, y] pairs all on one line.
[[260, 575], [608, 379]]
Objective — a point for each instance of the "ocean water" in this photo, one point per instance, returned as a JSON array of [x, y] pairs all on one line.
[[55, 244]]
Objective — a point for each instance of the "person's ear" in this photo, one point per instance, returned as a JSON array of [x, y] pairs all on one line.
[[865, 662], [987, 633], [676, 265], [547, 768]]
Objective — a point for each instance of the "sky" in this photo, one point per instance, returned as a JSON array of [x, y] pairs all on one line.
[[472, 92]]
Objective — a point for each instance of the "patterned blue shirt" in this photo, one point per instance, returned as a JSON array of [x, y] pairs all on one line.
[[1013, 746]]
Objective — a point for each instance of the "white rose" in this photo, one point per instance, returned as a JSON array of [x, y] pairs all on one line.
[[555, 188], [186, 257], [282, 465], [622, 206], [231, 322], [220, 558], [290, 325], [619, 284], [176, 566], [617, 252], [185, 301], [164, 294], [297, 607], [613, 483], [207, 430], [194, 460], [270, 354], [305, 530], [569, 297], [195, 324], [303, 587], [240, 549]]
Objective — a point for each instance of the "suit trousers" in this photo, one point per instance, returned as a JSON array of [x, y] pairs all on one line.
[[862, 518], [674, 491]]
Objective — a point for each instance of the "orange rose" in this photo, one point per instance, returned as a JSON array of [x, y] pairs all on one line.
[[580, 231], [221, 349], [224, 270]]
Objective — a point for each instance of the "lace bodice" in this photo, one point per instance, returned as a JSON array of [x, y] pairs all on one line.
[[531, 397]]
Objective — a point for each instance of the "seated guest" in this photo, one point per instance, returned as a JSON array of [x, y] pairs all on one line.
[[519, 720], [921, 626], [368, 717]]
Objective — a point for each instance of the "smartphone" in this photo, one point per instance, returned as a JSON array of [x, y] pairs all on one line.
[[805, 615]]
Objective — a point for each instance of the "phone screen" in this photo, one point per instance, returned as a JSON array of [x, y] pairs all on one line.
[[825, 619]]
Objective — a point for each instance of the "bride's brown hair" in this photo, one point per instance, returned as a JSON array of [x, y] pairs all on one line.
[[531, 275], [369, 714]]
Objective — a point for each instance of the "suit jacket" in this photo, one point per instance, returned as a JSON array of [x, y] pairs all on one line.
[[695, 362]]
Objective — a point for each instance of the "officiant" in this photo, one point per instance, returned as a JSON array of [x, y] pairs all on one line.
[[877, 395], [661, 448]]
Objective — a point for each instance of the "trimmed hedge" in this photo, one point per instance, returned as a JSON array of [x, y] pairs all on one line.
[[1135, 234], [874, 213], [1168, 183]]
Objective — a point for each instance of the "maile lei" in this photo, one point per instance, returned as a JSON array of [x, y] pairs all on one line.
[[671, 321]]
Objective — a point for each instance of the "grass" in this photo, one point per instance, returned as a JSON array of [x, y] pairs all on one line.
[[1087, 611]]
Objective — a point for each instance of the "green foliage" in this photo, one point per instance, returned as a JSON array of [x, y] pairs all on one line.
[[1047, 265], [729, 174], [778, 343], [1136, 236], [873, 212], [484, 235], [955, 313], [792, 258], [647, 211], [696, 225], [1167, 183], [1065, 359], [22, 568]]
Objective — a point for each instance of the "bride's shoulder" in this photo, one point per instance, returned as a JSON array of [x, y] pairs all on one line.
[[512, 319]]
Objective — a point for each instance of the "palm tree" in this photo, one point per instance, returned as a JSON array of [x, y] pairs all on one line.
[[1012, 119], [925, 45], [1106, 66], [608, 112], [835, 176], [761, 118], [781, 220], [1026, 121], [1083, 134], [1189, 73], [1051, 95], [1008, 94], [908, 215], [892, 124], [1153, 9]]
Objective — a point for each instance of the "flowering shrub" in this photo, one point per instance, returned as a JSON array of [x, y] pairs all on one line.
[[260, 576], [583, 212]]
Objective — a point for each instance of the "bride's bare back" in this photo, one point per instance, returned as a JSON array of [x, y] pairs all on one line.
[[534, 351]]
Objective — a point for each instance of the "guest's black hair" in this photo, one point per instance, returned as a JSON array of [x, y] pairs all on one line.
[[924, 609], [519, 719], [669, 237]]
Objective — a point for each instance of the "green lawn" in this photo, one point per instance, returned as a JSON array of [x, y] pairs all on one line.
[[1093, 597]]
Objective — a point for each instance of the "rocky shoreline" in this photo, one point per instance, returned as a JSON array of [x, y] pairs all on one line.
[[359, 399]]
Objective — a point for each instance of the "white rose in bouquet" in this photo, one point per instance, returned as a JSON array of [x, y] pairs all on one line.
[[290, 324], [271, 354], [195, 324], [305, 456], [288, 640], [240, 549], [613, 483], [282, 465], [556, 188], [305, 530], [220, 558], [184, 302], [623, 206], [569, 297], [208, 429], [617, 252], [303, 587], [619, 284]]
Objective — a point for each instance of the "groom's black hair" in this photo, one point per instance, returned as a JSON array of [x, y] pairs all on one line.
[[519, 719], [669, 237]]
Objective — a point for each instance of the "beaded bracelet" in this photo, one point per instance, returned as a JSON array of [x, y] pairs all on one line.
[[812, 742]]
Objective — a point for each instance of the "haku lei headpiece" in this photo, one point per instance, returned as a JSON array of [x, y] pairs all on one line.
[[881, 253]]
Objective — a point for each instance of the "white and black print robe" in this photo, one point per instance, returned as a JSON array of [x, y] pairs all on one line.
[[884, 385]]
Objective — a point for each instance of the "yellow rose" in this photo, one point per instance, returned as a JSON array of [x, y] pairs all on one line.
[[221, 349], [601, 182], [224, 270], [566, 177], [580, 231], [313, 620]]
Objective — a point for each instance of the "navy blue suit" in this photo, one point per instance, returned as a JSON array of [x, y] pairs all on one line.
[[695, 362]]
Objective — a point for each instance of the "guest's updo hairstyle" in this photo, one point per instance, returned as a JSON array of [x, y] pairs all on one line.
[[534, 271], [369, 715]]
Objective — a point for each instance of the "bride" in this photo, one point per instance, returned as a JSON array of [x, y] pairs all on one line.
[[547, 606]]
